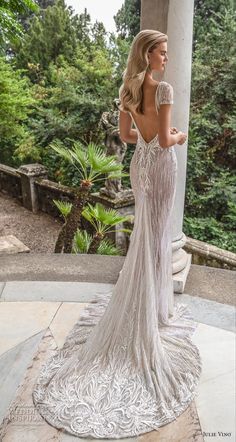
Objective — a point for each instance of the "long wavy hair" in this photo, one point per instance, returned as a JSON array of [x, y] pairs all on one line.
[[131, 90]]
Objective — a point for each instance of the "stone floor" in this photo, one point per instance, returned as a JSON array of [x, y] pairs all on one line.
[[35, 319]]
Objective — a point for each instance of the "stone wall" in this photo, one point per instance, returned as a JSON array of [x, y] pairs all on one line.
[[47, 191], [10, 181], [30, 185]]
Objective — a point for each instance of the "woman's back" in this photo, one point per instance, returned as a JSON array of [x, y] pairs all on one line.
[[148, 122]]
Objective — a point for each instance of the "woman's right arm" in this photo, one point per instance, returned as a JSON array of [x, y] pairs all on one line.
[[166, 139], [127, 134]]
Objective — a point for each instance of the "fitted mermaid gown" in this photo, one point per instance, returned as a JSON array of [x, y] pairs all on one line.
[[129, 365]]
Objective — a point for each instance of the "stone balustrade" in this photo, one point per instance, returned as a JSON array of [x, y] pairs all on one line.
[[29, 184]]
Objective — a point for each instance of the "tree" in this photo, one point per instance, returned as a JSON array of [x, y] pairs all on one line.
[[127, 19], [70, 95], [210, 200], [51, 34], [99, 35], [119, 48], [26, 17], [16, 102], [43, 4], [69, 107], [82, 24], [203, 12], [10, 28]]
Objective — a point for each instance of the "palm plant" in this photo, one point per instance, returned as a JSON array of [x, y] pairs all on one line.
[[83, 240], [102, 220], [92, 164], [64, 207]]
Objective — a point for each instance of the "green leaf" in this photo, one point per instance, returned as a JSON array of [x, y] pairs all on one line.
[[64, 207], [82, 241]]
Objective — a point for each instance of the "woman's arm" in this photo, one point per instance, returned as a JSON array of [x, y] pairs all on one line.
[[127, 134], [166, 139]]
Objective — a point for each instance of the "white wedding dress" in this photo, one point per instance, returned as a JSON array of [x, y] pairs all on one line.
[[129, 365]]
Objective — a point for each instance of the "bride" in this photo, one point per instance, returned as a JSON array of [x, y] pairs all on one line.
[[129, 365]]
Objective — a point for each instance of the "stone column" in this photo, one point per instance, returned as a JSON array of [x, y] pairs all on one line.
[[29, 173], [175, 18]]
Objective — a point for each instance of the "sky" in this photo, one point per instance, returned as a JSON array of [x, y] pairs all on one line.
[[101, 10]]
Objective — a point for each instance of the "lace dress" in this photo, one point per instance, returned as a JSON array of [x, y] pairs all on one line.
[[129, 365]]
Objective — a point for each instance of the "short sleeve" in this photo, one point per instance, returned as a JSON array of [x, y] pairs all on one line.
[[166, 93]]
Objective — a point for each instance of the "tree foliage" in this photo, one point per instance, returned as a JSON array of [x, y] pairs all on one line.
[[203, 12], [16, 101], [11, 29], [66, 71], [210, 209], [71, 87], [127, 19], [50, 35]]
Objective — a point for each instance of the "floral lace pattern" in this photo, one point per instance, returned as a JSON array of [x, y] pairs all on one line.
[[115, 399], [165, 94]]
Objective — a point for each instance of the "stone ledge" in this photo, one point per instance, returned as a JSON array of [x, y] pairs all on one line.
[[206, 282], [65, 267], [207, 254]]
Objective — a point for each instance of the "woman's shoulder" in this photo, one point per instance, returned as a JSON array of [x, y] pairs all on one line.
[[165, 85], [165, 93]]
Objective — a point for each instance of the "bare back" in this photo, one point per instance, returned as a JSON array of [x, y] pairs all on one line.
[[148, 123], [156, 120]]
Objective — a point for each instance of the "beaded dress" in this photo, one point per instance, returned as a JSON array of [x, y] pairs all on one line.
[[129, 365]]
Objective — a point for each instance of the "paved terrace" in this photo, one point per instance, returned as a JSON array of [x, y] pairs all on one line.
[[41, 298]]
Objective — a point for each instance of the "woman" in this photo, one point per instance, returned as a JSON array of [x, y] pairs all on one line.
[[129, 365]]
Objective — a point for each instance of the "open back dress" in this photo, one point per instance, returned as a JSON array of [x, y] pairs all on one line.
[[129, 365]]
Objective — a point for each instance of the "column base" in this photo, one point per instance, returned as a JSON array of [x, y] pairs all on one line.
[[180, 277], [181, 262]]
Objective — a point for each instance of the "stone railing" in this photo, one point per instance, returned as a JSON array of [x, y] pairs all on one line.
[[210, 255], [47, 191], [10, 181], [30, 185], [37, 193]]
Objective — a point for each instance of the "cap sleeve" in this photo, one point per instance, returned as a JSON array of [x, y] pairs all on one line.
[[166, 94]]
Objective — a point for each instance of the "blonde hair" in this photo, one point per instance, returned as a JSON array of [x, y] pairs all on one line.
[[130, 92]]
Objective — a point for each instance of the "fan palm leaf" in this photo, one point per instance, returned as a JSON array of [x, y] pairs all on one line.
[[81, 242], [62, 151], [91, 161], [64, 207], [80, 156], [102, 218], [107, 248]]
